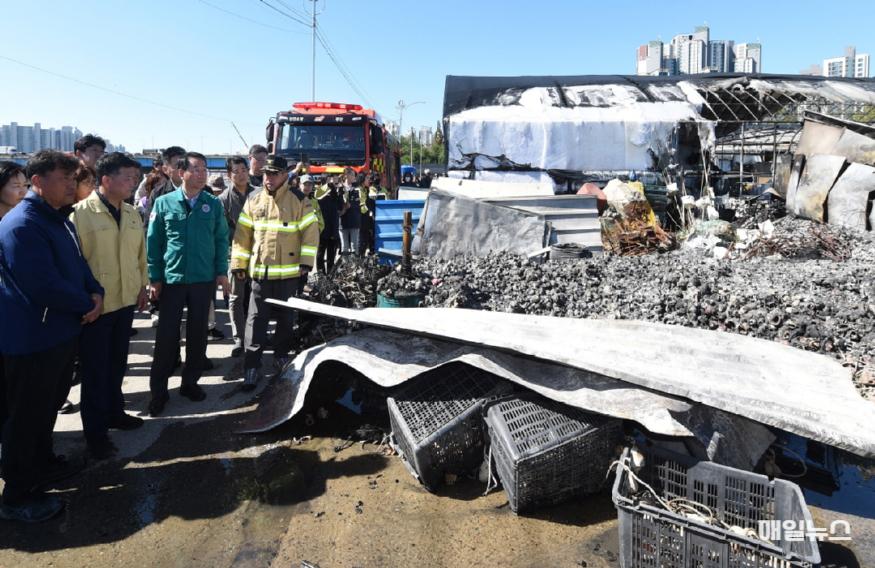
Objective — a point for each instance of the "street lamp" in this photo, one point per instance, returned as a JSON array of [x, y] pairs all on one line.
[[401, 106]]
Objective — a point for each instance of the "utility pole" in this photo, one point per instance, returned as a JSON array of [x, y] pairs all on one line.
[[313, 78]]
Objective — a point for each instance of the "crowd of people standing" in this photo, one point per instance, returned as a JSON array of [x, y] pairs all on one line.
[[86, 241]]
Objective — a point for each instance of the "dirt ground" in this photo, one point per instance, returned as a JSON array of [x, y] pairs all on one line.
[[186, 490]]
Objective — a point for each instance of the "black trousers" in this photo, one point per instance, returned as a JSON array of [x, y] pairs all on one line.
[[259, 315], [366, 235], [103, 358], [3, 412], [327, 252], [36, 386], [174, 299]]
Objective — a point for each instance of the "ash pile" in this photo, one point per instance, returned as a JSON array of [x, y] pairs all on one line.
[[801, 283], [351, 284]]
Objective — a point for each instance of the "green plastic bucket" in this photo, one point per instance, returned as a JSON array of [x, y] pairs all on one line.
[[410, 300]]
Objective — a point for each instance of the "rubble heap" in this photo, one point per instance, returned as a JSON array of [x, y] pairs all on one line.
[[352, 283], [823, 302], [797, 239], [751, 212], [397, 283]]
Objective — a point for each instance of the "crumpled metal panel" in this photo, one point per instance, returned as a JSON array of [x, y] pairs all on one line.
[[855, 148], [818, 138], [453, 225], [849, 198], [793, 181], [817, 179]]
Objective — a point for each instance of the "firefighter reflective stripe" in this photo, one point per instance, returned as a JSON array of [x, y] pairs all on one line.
[[289, 227], [275, 271], [308, 220], [245, 220], [308, 251], [277, 226], [244, 254]]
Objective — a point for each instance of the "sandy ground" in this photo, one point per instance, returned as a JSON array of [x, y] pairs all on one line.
[[186, 490]]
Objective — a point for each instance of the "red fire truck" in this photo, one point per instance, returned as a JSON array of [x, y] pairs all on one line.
[[333, 136]]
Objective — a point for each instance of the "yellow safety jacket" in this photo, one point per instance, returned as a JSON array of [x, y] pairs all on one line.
[[276, 234], [116, 253], [314, 203]]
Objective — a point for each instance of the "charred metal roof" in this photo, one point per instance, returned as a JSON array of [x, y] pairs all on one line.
[[722, 97]]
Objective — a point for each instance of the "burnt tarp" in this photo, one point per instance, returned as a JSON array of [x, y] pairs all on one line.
[[849, 198], [467, 92], [567, 124], [390, 358], [791, 389], [818, 177], [453, 225]]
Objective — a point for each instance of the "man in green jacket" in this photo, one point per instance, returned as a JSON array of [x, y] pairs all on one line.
[[187, 252]]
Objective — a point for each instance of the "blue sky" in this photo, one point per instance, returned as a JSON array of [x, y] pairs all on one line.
[[213, 67]]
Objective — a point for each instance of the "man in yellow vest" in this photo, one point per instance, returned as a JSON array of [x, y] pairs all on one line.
[[114, 246], [275, 243]]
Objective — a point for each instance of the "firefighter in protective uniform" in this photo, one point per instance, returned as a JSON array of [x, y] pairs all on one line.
[[274, 244]]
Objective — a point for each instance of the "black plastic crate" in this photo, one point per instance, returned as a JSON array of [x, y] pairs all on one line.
[[545, 452], [652, 536], [437, 423]]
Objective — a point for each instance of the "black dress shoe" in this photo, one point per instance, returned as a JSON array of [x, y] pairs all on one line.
[[156, 405], [215, 335], [67, 408], [192, 392], [35, 509], [126, 422], [57, 468], [237, 351], [102, 448]]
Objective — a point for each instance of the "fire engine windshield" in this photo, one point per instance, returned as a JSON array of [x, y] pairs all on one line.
[[320, 143]]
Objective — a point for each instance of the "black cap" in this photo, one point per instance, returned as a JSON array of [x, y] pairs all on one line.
[[275, 163]]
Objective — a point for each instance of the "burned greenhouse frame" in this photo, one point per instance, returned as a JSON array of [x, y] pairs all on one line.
[[732, 125]]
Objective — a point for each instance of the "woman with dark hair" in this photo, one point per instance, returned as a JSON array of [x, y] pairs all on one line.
[[154, 181], [86, 182], [13, 186]]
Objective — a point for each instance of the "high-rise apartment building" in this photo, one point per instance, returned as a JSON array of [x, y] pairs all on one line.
[[852, 64], [695, 53], [748, 58], [426, 135], [30, 139], [721, 56], [650, 59]]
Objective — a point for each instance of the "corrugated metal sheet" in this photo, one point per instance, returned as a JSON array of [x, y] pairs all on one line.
[[573, 218]]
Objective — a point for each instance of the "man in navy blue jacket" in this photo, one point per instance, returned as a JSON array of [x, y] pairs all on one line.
[[47, 292]]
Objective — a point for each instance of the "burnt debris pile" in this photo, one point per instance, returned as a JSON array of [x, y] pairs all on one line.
[[351, 284], [807, 285]]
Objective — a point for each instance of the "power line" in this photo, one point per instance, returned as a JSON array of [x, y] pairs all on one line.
[[113, 91], [341, 67], [294, 11], [250, 20], [286, 14]]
